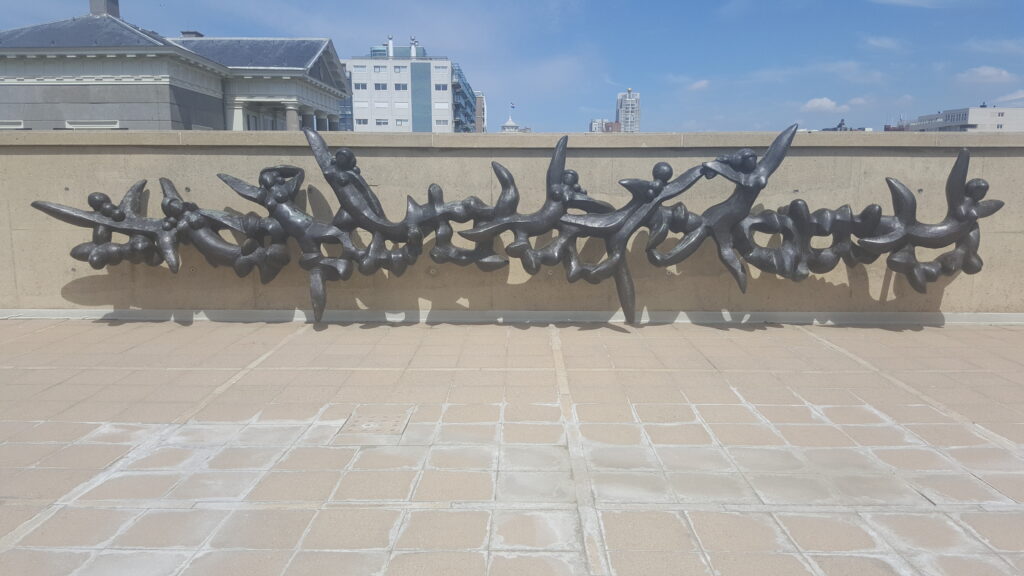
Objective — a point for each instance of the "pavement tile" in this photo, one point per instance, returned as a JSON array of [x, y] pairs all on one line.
[[437, 564], [239, 563], [444, 530], [925, 532], [170, 529], [136, 563], [548, 530], [739, 532], [262, 529], [454, 485], [41, 562], [828, 533], [78, 528], [733, 564], [686, 454], [352, 529], [375, 485], [657, 563], [515, 564], [1000, 530], [648, 531], [317, 563]]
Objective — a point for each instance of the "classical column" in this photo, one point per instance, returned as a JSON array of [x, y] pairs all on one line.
[[291, 116], [321, 121], [236, 115], [333, 122], [308, 120]]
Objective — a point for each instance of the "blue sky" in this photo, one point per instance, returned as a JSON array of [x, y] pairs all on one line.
[[699, 66]]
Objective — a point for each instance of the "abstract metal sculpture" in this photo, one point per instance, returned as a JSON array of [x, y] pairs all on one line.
[[395, 245]]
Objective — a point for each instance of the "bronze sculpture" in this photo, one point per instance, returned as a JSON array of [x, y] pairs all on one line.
[[395, 245]]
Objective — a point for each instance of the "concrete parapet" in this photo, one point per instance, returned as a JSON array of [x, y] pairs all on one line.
[[825, 169]]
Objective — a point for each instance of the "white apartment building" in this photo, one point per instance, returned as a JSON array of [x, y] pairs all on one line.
[[627, 110], [975, 119], [401, 89]]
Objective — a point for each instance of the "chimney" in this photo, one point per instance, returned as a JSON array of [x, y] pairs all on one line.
[[101, 7], [412, 47], [191, 34], [391, 47]]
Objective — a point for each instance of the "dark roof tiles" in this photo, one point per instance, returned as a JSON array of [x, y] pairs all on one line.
[[256, 52], [90, 31]]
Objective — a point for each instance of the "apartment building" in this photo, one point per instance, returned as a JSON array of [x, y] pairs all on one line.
[[402, 89]]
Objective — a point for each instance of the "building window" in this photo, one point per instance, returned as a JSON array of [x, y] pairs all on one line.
[[999, 114], [12, 124], [380, 104], [999, 126], [403, 86], [380, 86], [441, 122], [380, 68], [400, 69], [359, 67], [401, 122], [441, 87], [439, 68], [362, 122], [359, 86], [382, 122], [92, 124], [401, 104]]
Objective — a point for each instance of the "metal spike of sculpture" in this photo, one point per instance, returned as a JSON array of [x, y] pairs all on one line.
[[396, 245]]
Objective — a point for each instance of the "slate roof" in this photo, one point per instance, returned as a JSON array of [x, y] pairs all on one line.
[[91, 31], [256, 52], [106, 31]]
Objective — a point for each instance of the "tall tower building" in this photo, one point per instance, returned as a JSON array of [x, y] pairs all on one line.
[[627, 110], [481, 111], [401, 89]]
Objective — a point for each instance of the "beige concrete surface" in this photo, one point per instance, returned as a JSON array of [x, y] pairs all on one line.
[[283, 449], [827, 170]]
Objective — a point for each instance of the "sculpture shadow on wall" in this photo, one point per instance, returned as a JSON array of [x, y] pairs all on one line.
[[361, 236]]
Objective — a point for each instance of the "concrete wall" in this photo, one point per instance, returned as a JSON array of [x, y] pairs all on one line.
[[142, 93], [825, 169], [135, 107], [192, 110]]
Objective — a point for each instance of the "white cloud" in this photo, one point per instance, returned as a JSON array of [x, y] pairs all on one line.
[[823, 105], [884, 43], [859, 101], [1003, 46], [699, 85], [986, 75], [1011, 97]]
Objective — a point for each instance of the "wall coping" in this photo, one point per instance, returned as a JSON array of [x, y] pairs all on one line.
[[582, 140]]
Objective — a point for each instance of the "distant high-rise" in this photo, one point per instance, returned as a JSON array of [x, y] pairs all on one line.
[[627, 110], [481, 111]]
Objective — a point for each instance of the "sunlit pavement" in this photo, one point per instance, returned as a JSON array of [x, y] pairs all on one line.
[[269, 449]]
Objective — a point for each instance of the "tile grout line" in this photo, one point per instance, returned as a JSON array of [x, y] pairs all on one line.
[[220, 390], [8, 541], [15, 536], [960, 418], [590, 526]]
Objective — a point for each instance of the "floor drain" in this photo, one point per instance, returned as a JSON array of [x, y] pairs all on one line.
[[376, 424]]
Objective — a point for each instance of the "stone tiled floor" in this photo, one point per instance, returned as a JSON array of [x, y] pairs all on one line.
[[282, 449]]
